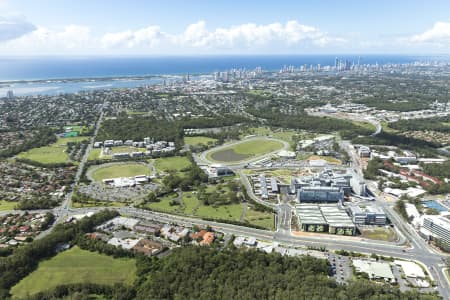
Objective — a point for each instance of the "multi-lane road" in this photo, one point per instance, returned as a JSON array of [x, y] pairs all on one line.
[[418, 251]]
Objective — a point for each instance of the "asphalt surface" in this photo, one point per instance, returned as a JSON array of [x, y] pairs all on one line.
[[419, 250]]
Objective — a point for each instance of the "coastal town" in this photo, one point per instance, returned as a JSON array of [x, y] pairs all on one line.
[[296, 162]]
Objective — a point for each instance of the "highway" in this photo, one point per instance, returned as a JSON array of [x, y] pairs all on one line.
[[420, 250]]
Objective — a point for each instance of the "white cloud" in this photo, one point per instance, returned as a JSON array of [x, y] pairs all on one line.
[[147, 37], [14, 27], [440, 34], [195, 38], [72, 38], [252, 35]]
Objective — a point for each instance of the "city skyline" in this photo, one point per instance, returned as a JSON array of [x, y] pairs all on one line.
[[176, 28]]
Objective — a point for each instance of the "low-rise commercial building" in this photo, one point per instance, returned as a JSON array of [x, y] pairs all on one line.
[[375, 270], [370, 215], [438, 228]]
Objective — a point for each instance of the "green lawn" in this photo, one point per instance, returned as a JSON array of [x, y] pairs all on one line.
[[193, 207], [76, 266], [53, 153], [230, 212], [174, 163], [244, 150], [367, 125], [263, 219], [7, 205], [120, 170], [257, 147], [94, 154], [282, 134], [190, 202], [198, 140], [164, 205]]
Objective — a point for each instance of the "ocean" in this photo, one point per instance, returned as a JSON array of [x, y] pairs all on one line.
[[18, 73]]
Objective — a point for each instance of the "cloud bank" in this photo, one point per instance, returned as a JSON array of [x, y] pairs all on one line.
[[439, 34], [195, 38], [14, 27]]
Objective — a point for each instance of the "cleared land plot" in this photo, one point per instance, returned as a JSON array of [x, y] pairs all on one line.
[[379, 233], [7, 205], [329, 159], [263, 219], [174, 163], [120, 170], [53, 153], [244, 150], [198, 140], [76, 266]]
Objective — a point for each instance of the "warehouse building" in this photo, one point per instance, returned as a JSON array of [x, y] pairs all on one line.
[[324, 218]]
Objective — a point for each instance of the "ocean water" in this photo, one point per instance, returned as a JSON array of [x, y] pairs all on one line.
[[50, 68]]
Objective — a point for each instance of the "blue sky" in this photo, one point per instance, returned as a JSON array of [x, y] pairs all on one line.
[[34, 27]]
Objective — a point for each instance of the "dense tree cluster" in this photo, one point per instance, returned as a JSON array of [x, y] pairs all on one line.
[[211, 122], [311, 123], [203, 273], [371, 172], [438, 170], [433, 124], [43, 137], [385, 138], [25, 259], [138, 128], [86, 291], [87, 243]]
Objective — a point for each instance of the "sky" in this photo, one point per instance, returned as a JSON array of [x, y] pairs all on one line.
[[216, 27]]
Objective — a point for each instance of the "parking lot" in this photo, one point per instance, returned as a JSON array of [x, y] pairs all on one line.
[[341, 267]]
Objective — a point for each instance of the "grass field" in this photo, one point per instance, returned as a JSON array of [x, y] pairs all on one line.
[[53, 153], [120, 170], [244, 150], [263, 219], [190, 202], [164, 205], [94, 154], [76, 266], [198, 140], [7, 205], [379, 233], [286, 135], [174, 163], [367, 125], [190, 205], [229, 212]]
